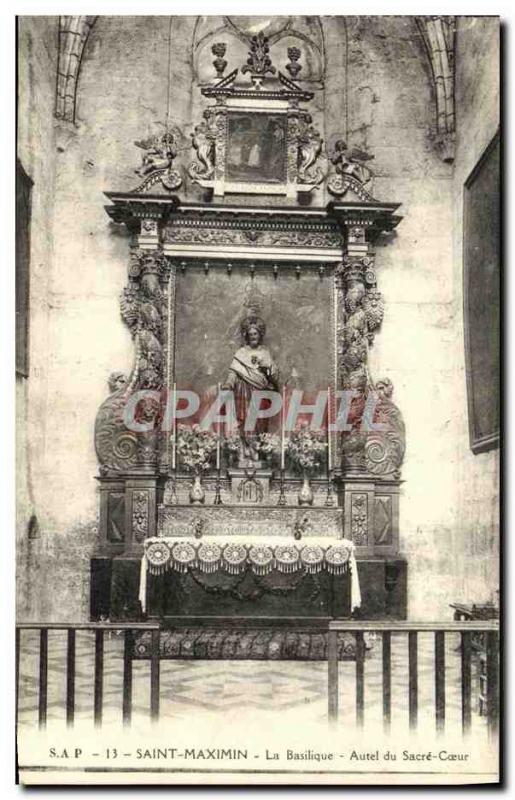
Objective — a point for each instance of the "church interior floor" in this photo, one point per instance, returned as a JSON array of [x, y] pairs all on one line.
[[193, 690]]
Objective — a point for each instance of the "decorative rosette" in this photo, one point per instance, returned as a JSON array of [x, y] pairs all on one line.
[[158, 556], [208, 556], [261, 559], [234, 558], [337, 559], [287, 558], [183, 556], [312, 557]]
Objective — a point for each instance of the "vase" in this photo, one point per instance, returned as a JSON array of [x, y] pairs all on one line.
[[197, 493], [305, 492]]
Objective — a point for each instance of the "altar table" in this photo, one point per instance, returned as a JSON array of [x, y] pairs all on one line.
[[255, 555]]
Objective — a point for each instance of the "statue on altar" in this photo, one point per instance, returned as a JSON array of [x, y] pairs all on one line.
[[252, 368]]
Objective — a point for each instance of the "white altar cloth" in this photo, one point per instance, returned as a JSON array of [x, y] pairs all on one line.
[[261, 554]]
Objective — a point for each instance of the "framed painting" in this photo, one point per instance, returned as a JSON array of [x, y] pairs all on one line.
[[256, 148], [481, 282]]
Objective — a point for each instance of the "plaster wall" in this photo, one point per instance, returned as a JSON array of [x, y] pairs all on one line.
[[37, 64], [390, 111], [478, 118]]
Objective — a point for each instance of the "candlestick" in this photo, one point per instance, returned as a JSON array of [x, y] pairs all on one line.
[[174, 423], [218, 439], [329, 465], [282, 496], [282, 428], [218, 496], [329, 499]]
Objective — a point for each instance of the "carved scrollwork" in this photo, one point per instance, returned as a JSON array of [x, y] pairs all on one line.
[[384, 449], [157, 162], [309, 145], [281, 238], [203, 140], [116, 447]]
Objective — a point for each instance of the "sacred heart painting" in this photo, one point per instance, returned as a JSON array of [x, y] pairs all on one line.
[[256, 148]]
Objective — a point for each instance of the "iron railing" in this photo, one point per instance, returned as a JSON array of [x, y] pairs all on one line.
[[100, 629], [490, 630]]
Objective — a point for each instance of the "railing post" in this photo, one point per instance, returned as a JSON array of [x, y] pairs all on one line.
[[154, 676], [492, 682], [99, 675], [413, 678], [387, 680], [43, 676], [332, 675], [440, 680], [466, 682], [70, 678], [17, 668], [360, 678], [127, 677]]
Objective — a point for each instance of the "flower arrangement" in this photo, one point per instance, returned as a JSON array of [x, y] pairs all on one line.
[[305, 447], [233, 443], [195, 447], [266, 444]]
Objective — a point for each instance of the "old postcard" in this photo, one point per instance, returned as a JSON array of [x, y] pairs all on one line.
[[257, 374]]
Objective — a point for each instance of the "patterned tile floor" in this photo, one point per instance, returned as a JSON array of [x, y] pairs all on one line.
[[193, 688]]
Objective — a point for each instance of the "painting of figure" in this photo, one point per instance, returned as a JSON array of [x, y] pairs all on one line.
[[256, 148]]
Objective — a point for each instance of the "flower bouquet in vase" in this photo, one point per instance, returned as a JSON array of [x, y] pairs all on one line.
[[265, 445], [195, 448], [305, 450], [268, 445], [232, 445]]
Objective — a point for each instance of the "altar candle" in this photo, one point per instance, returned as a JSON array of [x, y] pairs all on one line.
[[174, 423], [282, 427], [218, 440], [328, 429]]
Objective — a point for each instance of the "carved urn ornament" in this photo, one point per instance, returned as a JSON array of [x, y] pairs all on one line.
[[218, 50], [293, 67]]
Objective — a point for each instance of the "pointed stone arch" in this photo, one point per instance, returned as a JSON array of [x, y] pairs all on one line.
[[73, 35]]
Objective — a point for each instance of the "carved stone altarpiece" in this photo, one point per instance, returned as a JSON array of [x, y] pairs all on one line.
[[144, 492]]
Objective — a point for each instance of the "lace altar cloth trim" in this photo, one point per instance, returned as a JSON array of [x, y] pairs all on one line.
[[235, 556]]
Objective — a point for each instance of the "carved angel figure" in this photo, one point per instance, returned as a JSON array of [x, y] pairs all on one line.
[[352, 161], [352, 170], [156, 164], [160, 152]]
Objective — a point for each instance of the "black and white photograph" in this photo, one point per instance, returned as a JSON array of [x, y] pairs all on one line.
[[258, 399]]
